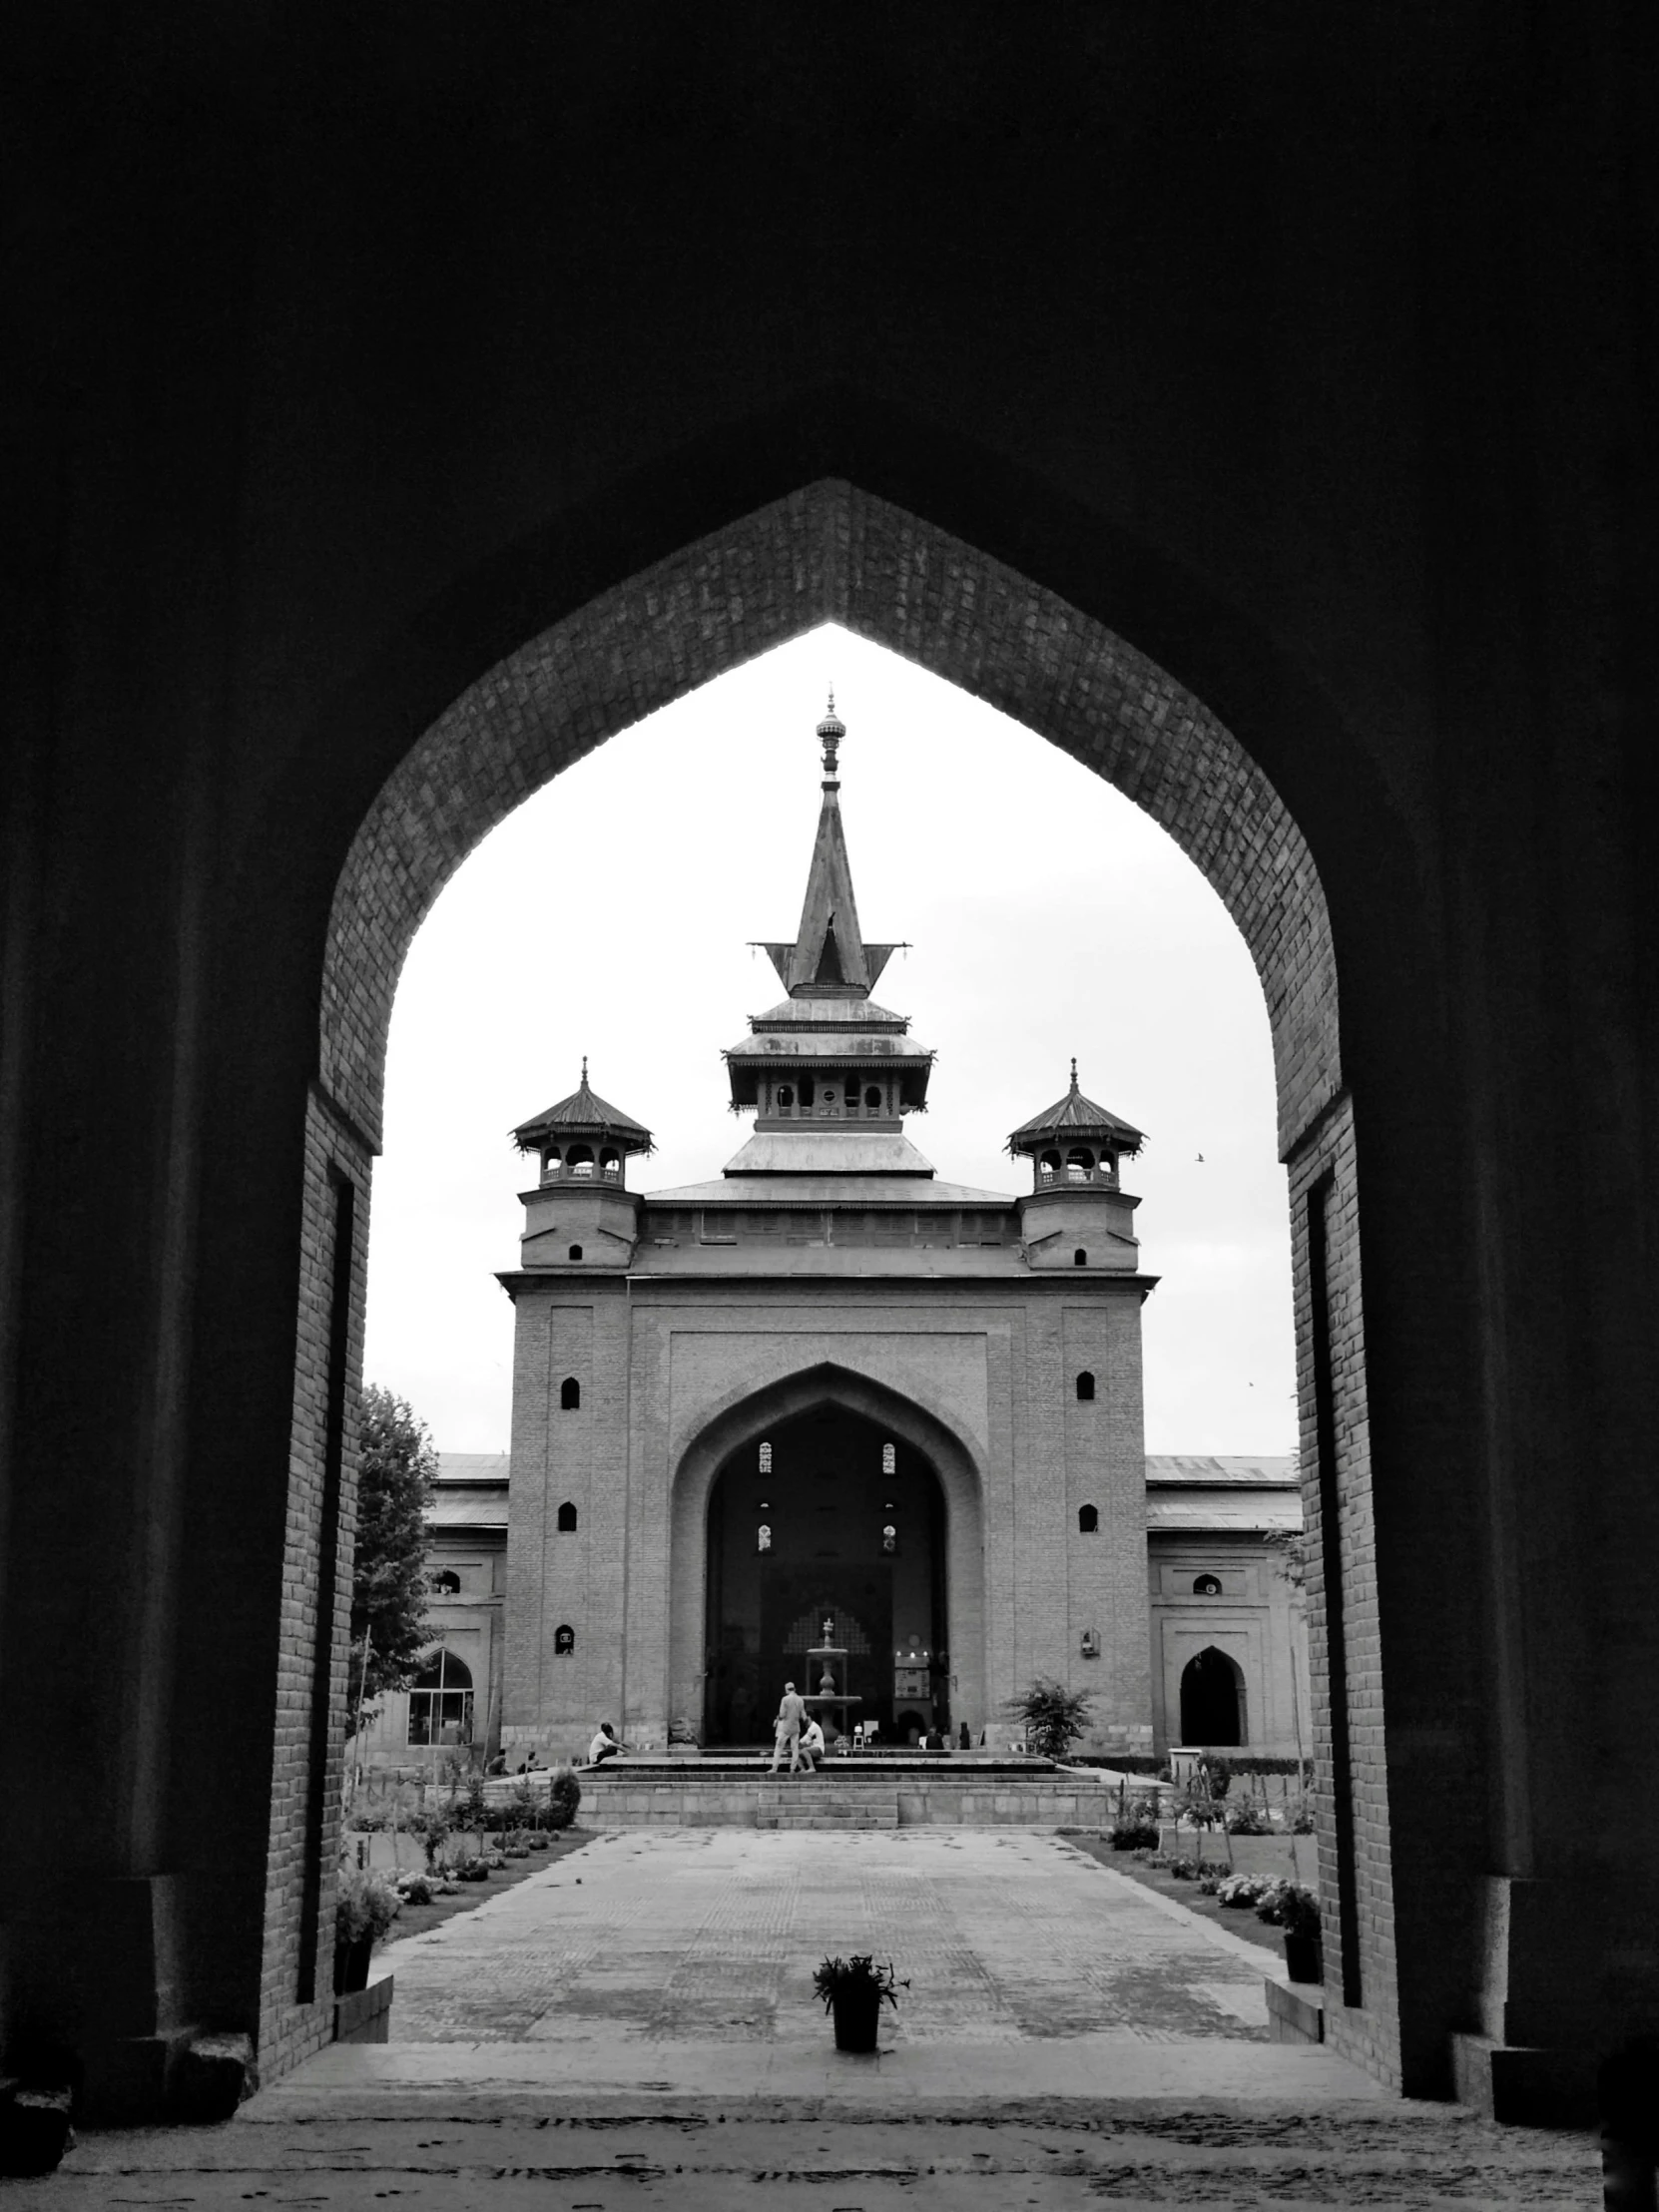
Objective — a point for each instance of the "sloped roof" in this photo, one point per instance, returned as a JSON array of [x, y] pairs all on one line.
[[1200, 1469], [1076, 1116], [584, 1113]]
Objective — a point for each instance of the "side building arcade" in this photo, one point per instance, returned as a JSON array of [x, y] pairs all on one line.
[[830, 1385]]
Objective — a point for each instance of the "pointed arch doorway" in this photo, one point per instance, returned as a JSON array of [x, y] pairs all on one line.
[[828, 1517]]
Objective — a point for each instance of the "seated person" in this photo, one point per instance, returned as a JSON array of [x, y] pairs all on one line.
[[604, 1746], [812, 1745], [497, 1765]]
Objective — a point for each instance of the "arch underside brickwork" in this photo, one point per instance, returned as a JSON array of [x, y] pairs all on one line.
[[745, 1423], [831, 552]]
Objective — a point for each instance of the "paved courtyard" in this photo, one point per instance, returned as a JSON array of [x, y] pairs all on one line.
[[636, 2025], [642, 1962]]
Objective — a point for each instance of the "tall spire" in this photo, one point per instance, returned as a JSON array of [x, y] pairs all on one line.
[[828, 955]]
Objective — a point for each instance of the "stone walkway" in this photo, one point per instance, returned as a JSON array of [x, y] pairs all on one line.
[[636, 2025], [647, 1938]]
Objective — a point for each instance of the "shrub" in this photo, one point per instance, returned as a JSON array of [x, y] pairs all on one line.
[[564, 1795], [1291, 1907], [1208, 1884], [1135, 1836], [1054, 1716], [1242, 1891], [434, 1830], [1181, 1870], [415, 1889], [366, 1905], [1249, 1819]]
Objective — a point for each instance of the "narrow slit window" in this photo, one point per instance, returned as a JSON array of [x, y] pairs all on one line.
[[566, 1524], [1085, 1385], [1080, 1257], [1088, 1520]]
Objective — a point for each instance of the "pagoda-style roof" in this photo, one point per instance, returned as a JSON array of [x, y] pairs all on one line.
[[1075, 1116], [584, 1114]]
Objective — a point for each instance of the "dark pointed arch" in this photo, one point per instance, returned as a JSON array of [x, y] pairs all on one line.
[[744, 1421]]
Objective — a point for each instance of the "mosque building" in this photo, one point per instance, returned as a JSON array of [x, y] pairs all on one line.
[[829, 1386]]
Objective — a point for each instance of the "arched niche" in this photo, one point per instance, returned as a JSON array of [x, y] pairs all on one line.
[[743, 1423]]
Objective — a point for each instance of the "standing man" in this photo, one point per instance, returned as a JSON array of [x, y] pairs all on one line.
[[791, 1713]]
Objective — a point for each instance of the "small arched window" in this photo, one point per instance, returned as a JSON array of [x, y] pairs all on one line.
[[610, 1164], [765, 1459], [575, 1252], [445, 1583], [579, 1159], [1085, 1385], [872, 1099], [852, 1096], [1080, 1257], [1088, 1520], [440, 1702], [566, 1524], [786, 1098], [550, 1161], [1048, 1166], [564, 1640], [1207, 1585], [1079, 1166], [570, 1395]]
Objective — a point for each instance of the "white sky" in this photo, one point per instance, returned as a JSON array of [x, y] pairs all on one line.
[[611, 915]]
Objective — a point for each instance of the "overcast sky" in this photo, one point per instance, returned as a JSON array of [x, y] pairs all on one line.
[[612, 913]]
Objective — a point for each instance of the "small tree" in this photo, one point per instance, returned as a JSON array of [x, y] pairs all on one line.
[[1054, 1716], [388, 1575]]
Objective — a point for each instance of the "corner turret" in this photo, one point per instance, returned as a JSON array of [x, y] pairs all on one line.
[[1076, 1212], [581, 1213]]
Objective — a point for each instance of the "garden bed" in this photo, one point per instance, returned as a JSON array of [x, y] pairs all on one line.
[[1186, 1893], [419, 1919]]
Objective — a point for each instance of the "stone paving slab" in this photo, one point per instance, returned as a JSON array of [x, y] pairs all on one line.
[[664, 1940]]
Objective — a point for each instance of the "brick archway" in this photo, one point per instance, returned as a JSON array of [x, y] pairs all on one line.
[[833, 552]]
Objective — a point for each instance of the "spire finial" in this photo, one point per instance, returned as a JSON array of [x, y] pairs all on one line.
[[585, 1068], [830, 731], [1074, 1071]]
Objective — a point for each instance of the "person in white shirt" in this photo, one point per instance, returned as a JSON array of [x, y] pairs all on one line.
[[812, 1745], [604, 1746]]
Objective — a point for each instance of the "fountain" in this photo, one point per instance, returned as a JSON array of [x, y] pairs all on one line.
[[827, 1699]]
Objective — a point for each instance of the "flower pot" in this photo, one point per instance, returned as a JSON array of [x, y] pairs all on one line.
[[351, 1966], [1304, 1957], [857, 2014]]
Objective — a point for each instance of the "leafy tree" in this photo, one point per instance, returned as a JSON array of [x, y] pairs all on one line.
[[389, 1574], [1054, 1716]]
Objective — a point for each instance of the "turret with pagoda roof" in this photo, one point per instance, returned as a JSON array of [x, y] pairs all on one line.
[[581, 1212], [1077, 1213]]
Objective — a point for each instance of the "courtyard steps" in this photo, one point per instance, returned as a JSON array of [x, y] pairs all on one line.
[[815, 1802], [955, 1792]]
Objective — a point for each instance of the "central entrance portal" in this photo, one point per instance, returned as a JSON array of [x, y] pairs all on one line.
[[828, 1519]]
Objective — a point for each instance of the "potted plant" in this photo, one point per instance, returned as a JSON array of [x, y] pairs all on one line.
[[852, 1990], [1295, 1908], [364, 1907]]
